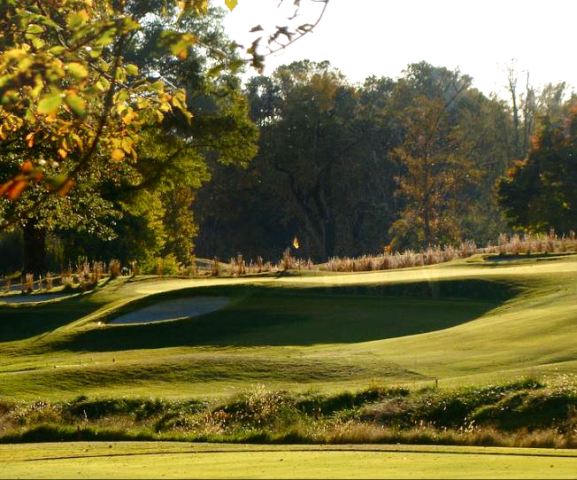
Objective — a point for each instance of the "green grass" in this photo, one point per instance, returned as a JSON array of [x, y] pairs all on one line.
[[466, 322], [463, 325], [184, 460]]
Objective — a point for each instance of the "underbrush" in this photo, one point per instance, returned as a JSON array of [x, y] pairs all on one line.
[[526, 413]]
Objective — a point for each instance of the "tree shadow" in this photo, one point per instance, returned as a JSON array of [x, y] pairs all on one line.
[[276, 317], [18, 322]]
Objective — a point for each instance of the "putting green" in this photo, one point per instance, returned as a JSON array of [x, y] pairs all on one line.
[[182, 460]]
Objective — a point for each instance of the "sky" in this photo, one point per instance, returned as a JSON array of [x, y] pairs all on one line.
[[480, 38]]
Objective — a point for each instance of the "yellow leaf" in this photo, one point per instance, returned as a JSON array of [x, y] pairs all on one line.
[[76, 104], [117, 155], [50, 104], [127, 145], [131, 69], [129, 117], [76, 19], [231, 4], [296, 242], [77, 70], [63, 153]]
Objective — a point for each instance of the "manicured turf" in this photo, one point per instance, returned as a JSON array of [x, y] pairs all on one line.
[[182, 460], [467, 322]]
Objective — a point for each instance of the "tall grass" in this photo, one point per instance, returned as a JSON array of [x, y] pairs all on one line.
[[408, 258], [526, 413], [527, 244], [85, 275], [534, 244]]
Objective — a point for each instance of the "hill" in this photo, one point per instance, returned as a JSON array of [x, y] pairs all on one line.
[[468, 322]]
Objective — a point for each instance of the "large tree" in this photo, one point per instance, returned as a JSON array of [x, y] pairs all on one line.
[[454, 147], [74, 100], [540, 192], [323, 174]]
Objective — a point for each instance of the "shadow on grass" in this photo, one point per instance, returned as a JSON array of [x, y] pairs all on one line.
[[270, 316], [18, 322]]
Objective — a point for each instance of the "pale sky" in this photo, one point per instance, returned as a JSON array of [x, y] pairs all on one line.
[[381, 37]]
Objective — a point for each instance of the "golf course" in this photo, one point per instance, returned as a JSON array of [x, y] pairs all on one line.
[[307, 357]]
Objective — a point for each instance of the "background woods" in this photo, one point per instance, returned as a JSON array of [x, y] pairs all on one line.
[[127, 133]]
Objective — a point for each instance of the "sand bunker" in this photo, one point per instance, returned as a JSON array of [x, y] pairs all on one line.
[[177, 309]]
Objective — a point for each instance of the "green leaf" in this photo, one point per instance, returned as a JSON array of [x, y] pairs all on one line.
[[231, 4], [50, 103], [76, 19], [131, 69], [76, 104], [56, 51], [32, 28], [77, 70], [37, 43], [55, 181]]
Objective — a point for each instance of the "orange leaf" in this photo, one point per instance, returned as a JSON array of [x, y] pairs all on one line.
[[26, 167], [66, 187], [16, 189], [5, 187]]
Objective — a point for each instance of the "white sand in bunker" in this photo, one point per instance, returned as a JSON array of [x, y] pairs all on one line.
[[177, 309]]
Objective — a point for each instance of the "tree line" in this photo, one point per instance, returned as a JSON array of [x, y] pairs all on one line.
[[171, 155], [396, 164]]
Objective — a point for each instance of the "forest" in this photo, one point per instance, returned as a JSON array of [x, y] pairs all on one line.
[[301, 159]]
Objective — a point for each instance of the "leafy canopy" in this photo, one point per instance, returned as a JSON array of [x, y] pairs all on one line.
[[540, 192], [68, 97]]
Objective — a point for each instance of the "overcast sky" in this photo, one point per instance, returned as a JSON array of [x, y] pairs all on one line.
[[381, 37]]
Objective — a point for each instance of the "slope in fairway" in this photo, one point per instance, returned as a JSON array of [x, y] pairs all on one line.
[[462, 323], [288, 316], [173, 460]]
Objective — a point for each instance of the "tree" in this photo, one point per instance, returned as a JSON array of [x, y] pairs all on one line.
[[71, 100], [433, 169], [323, 172], [456, 143], [539, 193], [68, 96], [433, 174], [72, 108]]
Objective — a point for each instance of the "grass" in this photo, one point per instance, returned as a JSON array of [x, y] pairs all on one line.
[[184, 460], [525, 413], [464, 322], [440, 336]]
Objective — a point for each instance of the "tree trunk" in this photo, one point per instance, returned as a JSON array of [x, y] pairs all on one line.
[[34, 250]]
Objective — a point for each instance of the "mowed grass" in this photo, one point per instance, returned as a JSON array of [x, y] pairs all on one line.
[[184, 460], [465, 322]]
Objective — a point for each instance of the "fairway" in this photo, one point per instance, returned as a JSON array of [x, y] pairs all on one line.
[[182, 460], [462, 323]]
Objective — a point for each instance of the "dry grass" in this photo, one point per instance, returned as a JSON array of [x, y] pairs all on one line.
[[264, 416], [533, 244], [528, 244], [408, 258]]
